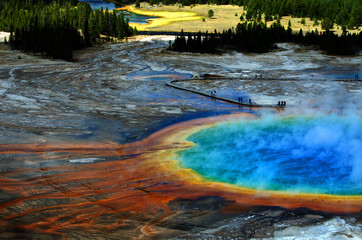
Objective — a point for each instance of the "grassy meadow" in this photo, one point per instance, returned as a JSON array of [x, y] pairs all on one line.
[[195, 18]]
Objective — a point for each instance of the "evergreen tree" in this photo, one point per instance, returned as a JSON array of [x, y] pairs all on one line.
[[138, 4], [210, 13], [327, 24]]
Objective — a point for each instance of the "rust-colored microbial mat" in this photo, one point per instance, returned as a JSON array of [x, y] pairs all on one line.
[[125, 190]]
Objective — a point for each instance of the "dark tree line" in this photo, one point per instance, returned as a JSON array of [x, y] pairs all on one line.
[[256, 37], [202, 44], [57, 27], [342, 12]]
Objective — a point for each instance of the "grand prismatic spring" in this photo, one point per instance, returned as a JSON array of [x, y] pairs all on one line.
[[300, 154], [102, 148]]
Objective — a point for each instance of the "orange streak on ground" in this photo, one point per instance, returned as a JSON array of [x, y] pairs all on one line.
[[136, 190]]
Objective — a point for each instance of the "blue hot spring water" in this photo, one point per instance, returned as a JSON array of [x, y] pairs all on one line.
[[303, 154]]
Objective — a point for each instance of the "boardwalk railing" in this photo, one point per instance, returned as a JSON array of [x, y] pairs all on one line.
[[213, 96]]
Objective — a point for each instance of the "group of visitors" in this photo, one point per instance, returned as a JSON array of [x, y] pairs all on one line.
[[282, 103], [240, 99]]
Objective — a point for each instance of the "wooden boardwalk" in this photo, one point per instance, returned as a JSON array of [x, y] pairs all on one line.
[[247, 104], [208, 94]]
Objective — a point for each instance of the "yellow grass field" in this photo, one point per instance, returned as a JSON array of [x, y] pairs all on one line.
[[190, 19], [3, 36], [194, 18]]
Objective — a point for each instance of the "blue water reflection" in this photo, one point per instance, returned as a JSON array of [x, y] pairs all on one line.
[[136, 18], [132, 17], [100, 3]]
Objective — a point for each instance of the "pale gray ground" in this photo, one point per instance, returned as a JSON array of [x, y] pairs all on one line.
[[95, 99]]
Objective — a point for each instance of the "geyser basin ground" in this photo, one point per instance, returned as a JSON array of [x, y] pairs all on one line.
[[157, 75], [301, 154], [63, 184]]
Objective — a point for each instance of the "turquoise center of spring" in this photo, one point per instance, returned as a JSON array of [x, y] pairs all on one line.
[[303, 154]]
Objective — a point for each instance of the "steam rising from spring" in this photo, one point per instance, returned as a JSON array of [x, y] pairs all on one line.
[[307, 153]]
